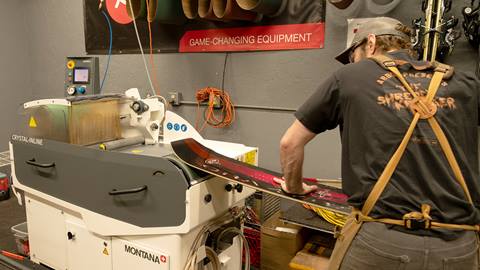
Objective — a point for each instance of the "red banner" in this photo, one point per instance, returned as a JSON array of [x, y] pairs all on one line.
[[257, 38]]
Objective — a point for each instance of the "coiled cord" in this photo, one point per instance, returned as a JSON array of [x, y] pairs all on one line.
[[215, 97]]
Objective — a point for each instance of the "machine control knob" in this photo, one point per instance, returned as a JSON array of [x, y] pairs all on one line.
[[239, 188], [228, 187], [154, 126], [71, 90], [70, 236], [139, 107], [81, 90]]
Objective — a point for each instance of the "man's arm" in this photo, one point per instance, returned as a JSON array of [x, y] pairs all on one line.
[[292, 146]]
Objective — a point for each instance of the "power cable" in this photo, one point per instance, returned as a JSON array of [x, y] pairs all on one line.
[[141, 51], [330, 216], [109, 49], [224, 70], [152, 62]]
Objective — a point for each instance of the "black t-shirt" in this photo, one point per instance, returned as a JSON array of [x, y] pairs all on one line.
[[370, 105]]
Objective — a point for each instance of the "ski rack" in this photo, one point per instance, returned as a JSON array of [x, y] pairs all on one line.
[[471, 27], [471, 22], [434, 35]]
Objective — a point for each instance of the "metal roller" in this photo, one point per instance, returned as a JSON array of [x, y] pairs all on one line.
[[166, 11], [190, 8], [192, 175], [267, 7], [139, 9], [229, 10], [121, 143]]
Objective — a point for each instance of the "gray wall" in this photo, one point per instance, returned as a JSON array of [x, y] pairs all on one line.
[[15, 76], [283, 78]]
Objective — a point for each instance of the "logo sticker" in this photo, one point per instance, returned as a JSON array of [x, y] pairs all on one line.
[[117, 9], [154, 258], [24, 139]]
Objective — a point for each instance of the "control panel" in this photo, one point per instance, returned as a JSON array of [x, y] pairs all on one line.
[[82, 76]]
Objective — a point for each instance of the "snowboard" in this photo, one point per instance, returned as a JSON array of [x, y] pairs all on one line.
[[202, 158]]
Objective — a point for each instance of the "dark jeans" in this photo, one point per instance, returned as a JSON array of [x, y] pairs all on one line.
[[376, 248]]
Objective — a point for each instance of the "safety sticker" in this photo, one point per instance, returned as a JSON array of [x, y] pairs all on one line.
[[32, 123], [251, 157]]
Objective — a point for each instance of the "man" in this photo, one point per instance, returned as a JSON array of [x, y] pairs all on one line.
[[371, 107]]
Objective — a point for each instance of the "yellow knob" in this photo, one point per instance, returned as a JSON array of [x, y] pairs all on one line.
[[70, 64]]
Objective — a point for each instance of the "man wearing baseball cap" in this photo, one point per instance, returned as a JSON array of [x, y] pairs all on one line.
[[425, 216]]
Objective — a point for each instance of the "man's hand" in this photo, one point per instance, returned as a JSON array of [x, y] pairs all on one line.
[[303, 190]]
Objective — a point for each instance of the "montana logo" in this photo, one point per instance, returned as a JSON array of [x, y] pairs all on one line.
[[145, 255]]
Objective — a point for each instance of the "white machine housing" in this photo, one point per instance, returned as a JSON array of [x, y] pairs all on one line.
[[63, 235]]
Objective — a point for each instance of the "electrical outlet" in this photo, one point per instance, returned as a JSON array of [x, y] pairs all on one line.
[[217, 103], [174, 98]]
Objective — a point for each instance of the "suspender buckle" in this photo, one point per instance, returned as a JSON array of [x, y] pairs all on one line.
[[389, 63], [417, 224], [418, 220], [423, 107]]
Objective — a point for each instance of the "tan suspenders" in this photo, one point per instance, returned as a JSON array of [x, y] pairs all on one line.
[[422, 107]]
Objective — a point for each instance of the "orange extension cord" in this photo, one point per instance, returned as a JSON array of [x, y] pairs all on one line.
[[152, 63], [227, 112]]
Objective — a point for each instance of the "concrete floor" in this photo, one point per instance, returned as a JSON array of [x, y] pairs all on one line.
[[10, 214]]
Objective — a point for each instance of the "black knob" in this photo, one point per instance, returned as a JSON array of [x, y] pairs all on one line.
[[139, 107], [228, 187], [239, 188], [136, 107], [70, 236], [208, 198]]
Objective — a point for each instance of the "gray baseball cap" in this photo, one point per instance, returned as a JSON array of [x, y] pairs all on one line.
[[378, 26]]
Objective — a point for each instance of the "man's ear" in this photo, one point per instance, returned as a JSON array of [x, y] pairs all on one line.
[[371, 44]]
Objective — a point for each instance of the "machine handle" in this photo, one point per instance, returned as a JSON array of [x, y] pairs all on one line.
[[40, 165], [127, 191]]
